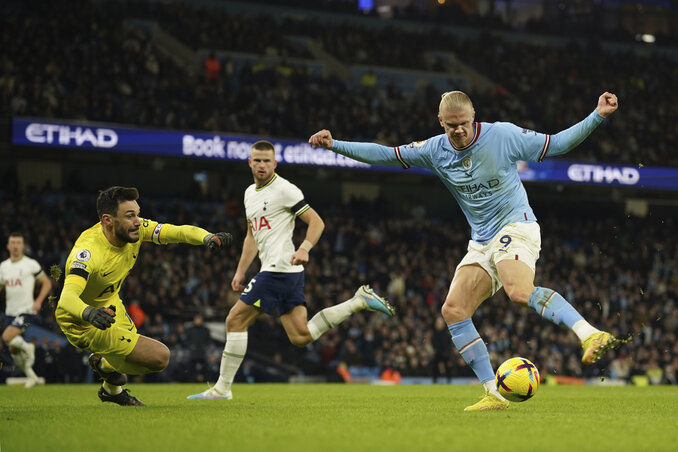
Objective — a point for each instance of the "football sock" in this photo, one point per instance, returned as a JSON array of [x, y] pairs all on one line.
[[19, 360], [234, 352], [30, 373], [552, 306], [112, 389], [472, 349], [18, 342], [491, 388], [490, 385], [583, 329], [330, 317]]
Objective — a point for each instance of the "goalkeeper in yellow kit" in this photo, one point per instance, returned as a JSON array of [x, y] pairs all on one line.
[[90, 312]]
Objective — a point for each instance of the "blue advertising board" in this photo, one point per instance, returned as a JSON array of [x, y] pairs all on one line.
[[172, 143]]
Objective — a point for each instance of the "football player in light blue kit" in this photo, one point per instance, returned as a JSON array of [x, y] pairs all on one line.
[[477, 163]]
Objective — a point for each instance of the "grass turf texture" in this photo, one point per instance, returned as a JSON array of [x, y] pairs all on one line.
[[320, 417]]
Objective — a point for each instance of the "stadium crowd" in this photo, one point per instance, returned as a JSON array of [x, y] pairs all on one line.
[[112, 71], [620, 271]]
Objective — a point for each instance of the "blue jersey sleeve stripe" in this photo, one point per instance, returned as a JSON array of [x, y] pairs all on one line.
[[546, 148], [400, 157]]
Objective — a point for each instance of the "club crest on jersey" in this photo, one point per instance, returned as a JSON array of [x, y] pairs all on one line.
[[83, 256], [467, 163]]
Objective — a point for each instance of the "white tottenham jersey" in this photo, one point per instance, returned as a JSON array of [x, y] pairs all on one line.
[[271, 211], [19, 281]]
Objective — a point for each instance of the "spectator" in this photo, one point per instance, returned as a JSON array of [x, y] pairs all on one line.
[[212, 68]]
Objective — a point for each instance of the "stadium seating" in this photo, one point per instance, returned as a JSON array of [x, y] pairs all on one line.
[[621, 283], [272, 82]]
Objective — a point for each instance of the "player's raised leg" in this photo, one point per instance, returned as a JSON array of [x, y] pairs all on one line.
[[517, 277], [364, 299], [470, 286]]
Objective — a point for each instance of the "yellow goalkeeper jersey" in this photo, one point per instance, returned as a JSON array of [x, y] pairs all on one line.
[[99, 268]]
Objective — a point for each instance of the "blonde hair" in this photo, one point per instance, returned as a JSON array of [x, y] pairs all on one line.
[[453, 101]]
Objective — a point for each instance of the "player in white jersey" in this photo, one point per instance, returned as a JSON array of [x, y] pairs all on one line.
[[477, 163], [272, 205], [18, 276]]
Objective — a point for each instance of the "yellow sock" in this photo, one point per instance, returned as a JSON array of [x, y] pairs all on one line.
[[111, 389], [106, 366]]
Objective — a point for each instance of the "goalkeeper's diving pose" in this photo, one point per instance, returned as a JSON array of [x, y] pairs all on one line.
[[90, 311]]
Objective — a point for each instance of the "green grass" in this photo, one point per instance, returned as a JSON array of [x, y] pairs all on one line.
[[321, 417]]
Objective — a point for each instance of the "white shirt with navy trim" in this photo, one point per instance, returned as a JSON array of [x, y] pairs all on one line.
[[271, 211], [19, 281]]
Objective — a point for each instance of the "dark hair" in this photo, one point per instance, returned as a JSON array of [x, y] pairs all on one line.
[[263, 145], [17, 234], [109, 199]]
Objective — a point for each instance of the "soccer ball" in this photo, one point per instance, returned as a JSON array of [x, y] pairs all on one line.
[[517, 379]]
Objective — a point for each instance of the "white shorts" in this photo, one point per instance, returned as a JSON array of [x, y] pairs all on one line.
[[519, 241]]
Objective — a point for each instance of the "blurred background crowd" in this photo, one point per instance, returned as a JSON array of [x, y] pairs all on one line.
[[620, 272], [256, 70], [287, 69]]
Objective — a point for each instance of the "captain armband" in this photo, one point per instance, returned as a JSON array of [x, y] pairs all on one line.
[[156, 233]]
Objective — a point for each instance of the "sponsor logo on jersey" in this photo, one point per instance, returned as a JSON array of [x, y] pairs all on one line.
[[14, 283], [474, 188], [83, 255], [257, 224]]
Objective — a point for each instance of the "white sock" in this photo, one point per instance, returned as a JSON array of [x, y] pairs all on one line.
[[583, 329], [30, 373], [234, 352], [491, 388], [330, 317], [18, 342], [18, 360], [112, 389]]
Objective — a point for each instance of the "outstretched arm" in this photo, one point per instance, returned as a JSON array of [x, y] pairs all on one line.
[[563, 142], [372, 153], [163, 234], [316, 225]]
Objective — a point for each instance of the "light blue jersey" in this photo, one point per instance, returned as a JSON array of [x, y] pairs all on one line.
[[483, 176]]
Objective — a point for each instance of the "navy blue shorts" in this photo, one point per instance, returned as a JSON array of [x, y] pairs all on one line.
[[21, 321], [275, 293]]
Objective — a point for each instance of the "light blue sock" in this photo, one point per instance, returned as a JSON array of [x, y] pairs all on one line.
[[552, 306], [472, 349]]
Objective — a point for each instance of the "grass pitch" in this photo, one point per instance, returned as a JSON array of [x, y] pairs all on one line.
[[322, 417]]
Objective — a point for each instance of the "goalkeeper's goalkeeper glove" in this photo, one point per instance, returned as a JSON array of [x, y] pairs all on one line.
[[215, 242], [101, 318]]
